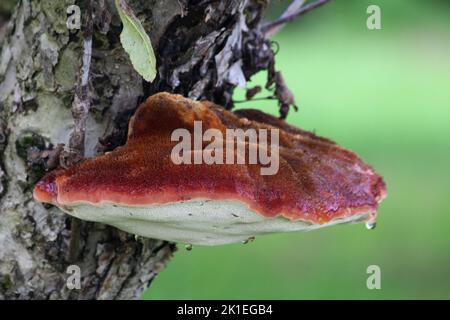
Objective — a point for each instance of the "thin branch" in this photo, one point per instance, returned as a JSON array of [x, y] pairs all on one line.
[[291, 9], [255, 99], [81, 102], [269, 27], [80, 112]]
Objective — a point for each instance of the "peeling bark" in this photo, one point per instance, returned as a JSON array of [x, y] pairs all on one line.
[[204, 49]]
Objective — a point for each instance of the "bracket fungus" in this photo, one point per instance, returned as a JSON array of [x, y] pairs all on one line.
[[138, 187]]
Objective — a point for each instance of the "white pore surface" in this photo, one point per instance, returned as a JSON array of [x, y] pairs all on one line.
[[199, 222]]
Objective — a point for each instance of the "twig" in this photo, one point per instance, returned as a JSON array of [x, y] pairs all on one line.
[[291, 9], [81, 102], [255, 99], [74, 244], [267, 28], [80, 112]]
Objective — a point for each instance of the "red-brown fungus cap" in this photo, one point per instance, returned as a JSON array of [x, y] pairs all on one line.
[[317, 180]]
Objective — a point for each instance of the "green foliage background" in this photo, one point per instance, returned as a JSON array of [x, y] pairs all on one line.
[[386, 95]]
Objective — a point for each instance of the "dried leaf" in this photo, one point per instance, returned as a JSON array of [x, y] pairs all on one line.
[[251, 92], [284, 95], [136, 42]]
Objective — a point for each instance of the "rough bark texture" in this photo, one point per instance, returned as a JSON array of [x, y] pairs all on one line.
[[203, 50]]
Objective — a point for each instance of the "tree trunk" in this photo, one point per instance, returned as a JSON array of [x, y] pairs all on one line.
[[203, 50]]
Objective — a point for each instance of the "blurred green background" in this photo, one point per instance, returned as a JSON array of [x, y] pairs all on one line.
[[384, 94]]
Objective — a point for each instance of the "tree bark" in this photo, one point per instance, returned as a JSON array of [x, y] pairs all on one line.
[[203, 50]]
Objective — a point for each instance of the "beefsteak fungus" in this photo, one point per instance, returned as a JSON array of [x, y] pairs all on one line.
[[138, 188]]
